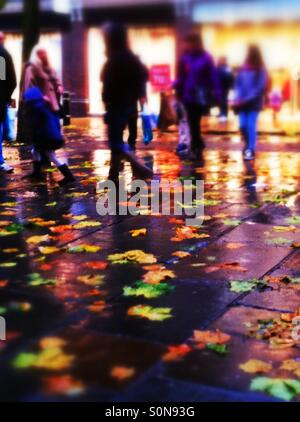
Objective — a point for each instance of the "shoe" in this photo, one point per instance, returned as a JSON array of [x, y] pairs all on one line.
[[68, 176], [6, 168], [182, 149], [249, 155], [37, 171]]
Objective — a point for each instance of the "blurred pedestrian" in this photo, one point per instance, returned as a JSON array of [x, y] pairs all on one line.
[[225, 82], [196, 87], [133, 118], [40, 91], [250, 89], [275, 102], [124, 80], [7, 87]]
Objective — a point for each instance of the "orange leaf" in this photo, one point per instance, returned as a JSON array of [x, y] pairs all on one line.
[[96, 265], [210, 337], [176, 352], [122, 373]]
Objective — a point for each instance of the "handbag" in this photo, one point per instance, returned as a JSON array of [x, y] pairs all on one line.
[[9, 124]]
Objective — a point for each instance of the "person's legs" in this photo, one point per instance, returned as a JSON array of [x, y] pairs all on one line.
[[243, 119], [224, 106], [133, 129], [3, 166], [37, 165], [252, 130], [1, 141], [194, 118], [118, 118], [62, 167]]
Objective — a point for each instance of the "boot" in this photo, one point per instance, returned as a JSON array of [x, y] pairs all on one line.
[[37, 171], [68, 176]]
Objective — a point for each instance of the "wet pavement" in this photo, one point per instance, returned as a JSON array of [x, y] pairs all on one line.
[[203, 315]]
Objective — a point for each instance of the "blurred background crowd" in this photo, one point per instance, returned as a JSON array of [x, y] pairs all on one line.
[[70, 30]]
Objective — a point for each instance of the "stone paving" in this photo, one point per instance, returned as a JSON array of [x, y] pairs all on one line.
[[207, 316]]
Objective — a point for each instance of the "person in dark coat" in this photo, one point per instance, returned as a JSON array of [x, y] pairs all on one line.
[[123, 77], [8, 83], [196, 87], [225, 82]]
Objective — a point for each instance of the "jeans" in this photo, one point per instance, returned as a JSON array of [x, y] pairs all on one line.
[[248, 124], [194, 115], [118, 117]]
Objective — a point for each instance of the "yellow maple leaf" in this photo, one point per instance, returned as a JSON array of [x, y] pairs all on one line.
[[48, 250], [254, 366], [38, 239], [138, 232]]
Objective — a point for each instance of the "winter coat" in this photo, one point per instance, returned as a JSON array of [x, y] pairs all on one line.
[[124, 79], [250, 88], [35, 75], [8, 85], [43, 123], [196, 80]]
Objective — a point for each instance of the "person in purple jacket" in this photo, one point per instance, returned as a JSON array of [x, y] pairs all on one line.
[[250, 88], [196, 87]]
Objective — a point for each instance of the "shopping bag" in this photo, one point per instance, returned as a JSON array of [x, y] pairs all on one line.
[[147, 126], [184, 134], [9, 124]]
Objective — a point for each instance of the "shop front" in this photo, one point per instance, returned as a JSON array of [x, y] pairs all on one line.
[[228, 29]]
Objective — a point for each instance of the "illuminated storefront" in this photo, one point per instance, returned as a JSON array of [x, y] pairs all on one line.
[[53, 20], [229, 26]]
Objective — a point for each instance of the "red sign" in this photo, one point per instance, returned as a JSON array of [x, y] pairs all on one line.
[[160, 76]]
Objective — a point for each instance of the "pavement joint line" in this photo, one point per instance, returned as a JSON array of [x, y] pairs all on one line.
[[263, 308], [270, 271]]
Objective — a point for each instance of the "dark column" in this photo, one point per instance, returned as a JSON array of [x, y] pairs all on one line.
[[75, 65]]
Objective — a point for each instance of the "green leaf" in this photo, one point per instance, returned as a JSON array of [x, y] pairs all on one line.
[[36, 279], [148, 312], [24, 360], [294, 220], [242, 286], [221, 349], [284, 389], [3, 310], [149, 291], [231, 223]]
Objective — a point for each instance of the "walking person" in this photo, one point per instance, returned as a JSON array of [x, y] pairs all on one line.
[[250, 89], [40, 91], [225, 82], [196, 87], [124, 80], [7, 87], [133, 118]]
